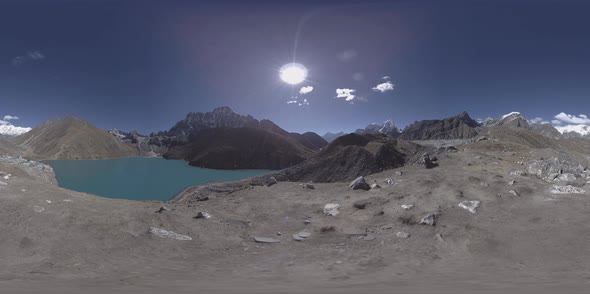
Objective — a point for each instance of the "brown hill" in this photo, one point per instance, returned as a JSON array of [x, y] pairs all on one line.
[[71, 138], [240, 148], [350, 156]]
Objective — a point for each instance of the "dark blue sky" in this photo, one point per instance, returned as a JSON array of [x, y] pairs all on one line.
[[145, 64]]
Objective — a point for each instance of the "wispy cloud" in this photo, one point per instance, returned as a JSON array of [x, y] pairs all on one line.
[[538, 120], [11, 117], [347, 55], [30, 56], [347, 94], [384, 87], [305, 90]]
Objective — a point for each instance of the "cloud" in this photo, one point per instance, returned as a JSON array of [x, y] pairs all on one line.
[[556, 122], [345, 93], [10, 117], [305, 90], [384, 87], [387, 78], [291, 101], [347, 55], [572, 119], [30, 56], [538, 120]]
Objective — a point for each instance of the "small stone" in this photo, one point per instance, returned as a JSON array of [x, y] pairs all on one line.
[[484, 184], [3, 183], [429, 220], [296, 237], [407, 206], [402, 235], [389, 181], [519, 173], [511, 183], [399, 173], [202, 215], [375, 186], [307, 221], [308, 186], [162, 209], [279, 233], [168, 234], [439, 237], [361, 204], [48, 201], [38, 208], [369, 237], [514, 193], [470, 206], [266, 240], [202, 197], [327, 229], [304, 234], [271, 181], [331, 209]]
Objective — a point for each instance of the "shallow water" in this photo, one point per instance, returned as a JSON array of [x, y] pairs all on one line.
[[138, 178]]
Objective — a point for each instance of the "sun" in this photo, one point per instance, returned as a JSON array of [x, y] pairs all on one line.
[[293, 73]]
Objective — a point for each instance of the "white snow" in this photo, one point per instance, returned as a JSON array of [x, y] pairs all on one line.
[[580, 129], [514, 113], [8, 129]]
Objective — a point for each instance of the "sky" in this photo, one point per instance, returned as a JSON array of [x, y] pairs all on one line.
[[145, 64]]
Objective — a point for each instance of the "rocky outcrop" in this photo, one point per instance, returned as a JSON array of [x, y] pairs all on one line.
[[457, 127], [547, 130], [513, 119], [349, 157]]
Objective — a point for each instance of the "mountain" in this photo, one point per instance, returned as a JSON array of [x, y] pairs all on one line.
[[9, 130], [329, 137], [513, 119], [574, 131], [225, 117], [547, 130], [460, 126], [240, 148], [71, 138], [223, 139], [387, 128], [350, 156]]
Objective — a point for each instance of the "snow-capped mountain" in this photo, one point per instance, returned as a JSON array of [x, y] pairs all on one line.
[[574, 130], [387, 128], [512, 119], [7, 129]]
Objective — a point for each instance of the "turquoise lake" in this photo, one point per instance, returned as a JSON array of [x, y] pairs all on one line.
[[138, 178]]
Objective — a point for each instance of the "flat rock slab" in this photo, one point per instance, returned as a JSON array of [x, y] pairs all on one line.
[[266, 240], [168, 234], [470, 206]]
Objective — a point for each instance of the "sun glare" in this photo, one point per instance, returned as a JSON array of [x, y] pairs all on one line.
[[293, 73]]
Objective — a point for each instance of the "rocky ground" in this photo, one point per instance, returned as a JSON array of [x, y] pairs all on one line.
[[520, 238]]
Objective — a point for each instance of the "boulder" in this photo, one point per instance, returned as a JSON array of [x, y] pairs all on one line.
[[427, 161], [566, 190], [359, 184], [543, 168], [162, 209], [271, 181], [202, 215], [308, 186], [567, 177], [375, 186], [331, 209]]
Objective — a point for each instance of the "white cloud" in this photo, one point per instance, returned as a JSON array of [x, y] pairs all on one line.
[[538, 120], [384, 87], [291, 101], [572, 119], [10, 117], [29, 56], [345, 93], [305, 90], [347, 55], [556, 122], [387, 78]]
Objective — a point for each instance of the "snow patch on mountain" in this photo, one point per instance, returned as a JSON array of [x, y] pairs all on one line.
[[8, 129]]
